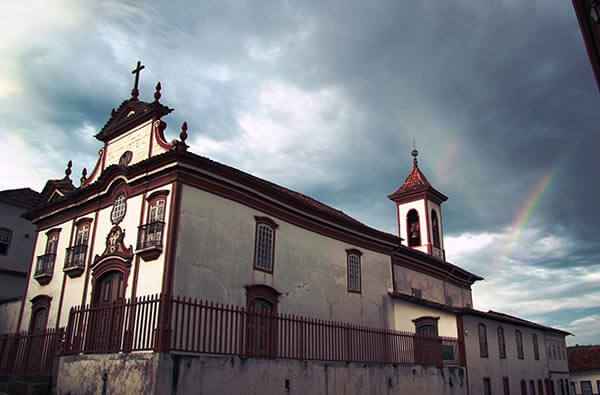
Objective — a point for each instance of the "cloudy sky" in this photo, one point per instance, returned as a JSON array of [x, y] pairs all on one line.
[[327, 97]]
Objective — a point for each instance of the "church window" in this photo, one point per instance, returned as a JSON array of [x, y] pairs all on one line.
[[416, 292], [45, 263], [76, 253], [519, 339], [536, 348], [5, 236], [353, 268], [435, 227], [119, 208], [483, 346], [501, 343], [414, 231], [264, 249]]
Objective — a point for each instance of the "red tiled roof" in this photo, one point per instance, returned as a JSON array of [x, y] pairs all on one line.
[[25, 197], [415, 183], [584, 358]]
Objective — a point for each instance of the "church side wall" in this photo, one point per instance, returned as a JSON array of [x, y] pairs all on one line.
[[215, 253], [496, 368], [432, 289]]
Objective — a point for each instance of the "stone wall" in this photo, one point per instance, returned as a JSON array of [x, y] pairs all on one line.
[[182, 374]]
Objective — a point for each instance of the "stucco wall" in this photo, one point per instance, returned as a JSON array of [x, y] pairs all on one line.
[[495, 368], [433, 289], [169, 374], [215, 252], [405, 312], [9, 315]]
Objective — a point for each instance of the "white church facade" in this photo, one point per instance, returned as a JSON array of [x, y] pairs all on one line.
[[160, 251]]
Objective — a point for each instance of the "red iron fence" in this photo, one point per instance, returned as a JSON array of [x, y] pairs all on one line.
[[29, 353], [197, 326]]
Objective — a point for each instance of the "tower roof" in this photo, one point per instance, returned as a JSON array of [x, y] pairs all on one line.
[[415, 185]]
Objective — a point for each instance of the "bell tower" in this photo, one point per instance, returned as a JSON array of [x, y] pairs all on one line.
[[419, 209]]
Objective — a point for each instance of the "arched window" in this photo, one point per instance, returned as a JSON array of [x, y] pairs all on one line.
[[501, 343], [435, 227], [427, 326], [519, 339], [40, 305], [413, 227], [5, 236], [483, 346], [264, 249], [353, 270]]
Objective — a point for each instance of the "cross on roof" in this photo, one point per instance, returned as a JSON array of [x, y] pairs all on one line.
[[135, 92]]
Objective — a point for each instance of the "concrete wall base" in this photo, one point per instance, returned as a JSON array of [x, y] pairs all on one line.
[[151, 373], [18, 385]]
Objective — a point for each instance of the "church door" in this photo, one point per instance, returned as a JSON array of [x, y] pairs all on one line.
[[107, 312], [261, 329]]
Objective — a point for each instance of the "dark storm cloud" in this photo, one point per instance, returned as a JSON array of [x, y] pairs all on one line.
[[497, 94]]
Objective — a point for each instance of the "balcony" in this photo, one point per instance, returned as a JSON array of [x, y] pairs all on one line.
[[75, 261], [44, 268], [149, 244]]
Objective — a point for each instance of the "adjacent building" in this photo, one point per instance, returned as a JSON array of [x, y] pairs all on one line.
[[584, 367], [16, 243]]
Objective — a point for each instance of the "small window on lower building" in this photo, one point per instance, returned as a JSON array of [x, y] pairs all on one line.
[[487, 386], [5, 236], [536, 348], [523, 387], [586, 388], [505, 385], [354, 270]]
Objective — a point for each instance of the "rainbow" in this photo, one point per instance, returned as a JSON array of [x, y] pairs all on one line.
[[527, 209]]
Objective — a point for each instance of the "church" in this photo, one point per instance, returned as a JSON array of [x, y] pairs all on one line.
[[169, 272]]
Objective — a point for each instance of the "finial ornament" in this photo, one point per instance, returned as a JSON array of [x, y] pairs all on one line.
[[157, 92], [180, 145], [83, 178], [68, 169], [183, 135], [414, 153], [135, 92]]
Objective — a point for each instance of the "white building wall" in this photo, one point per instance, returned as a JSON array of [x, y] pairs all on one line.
[[496, 368], [593, 376], [405, 312], [215, 252]]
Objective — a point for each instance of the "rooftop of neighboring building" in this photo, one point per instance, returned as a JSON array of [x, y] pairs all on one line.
[[583, 357], [22, 197]]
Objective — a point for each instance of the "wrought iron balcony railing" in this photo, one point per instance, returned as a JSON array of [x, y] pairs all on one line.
[[44, 268], [75, 259], [149, 243]]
